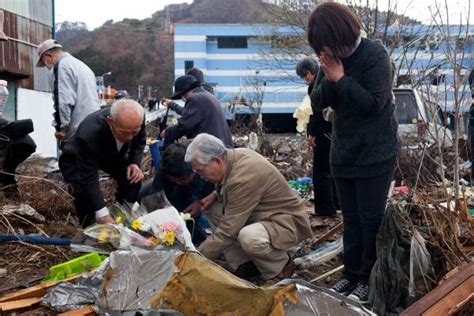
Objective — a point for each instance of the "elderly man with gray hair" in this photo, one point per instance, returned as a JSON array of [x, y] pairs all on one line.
[[111, 140], [256, 216]]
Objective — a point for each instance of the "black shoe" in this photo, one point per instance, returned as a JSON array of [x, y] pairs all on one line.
[[360, 293], [343, 286]]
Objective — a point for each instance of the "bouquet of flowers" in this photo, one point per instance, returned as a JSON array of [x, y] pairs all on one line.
[[168, 226], [135, 227], [166, 233]]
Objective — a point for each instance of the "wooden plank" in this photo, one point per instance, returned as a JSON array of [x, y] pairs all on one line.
[[451, 292], [446, 304], [84, 311], [330, 233], [19, 304], [461, 304], [35, 291], [316, 279]]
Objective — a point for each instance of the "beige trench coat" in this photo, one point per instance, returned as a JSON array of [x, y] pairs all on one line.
[[253, 190]]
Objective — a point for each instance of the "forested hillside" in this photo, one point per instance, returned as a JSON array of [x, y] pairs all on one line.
[[140, 52]]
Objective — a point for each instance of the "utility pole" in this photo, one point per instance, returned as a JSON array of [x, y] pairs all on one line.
[[148, 92], [140, 92]]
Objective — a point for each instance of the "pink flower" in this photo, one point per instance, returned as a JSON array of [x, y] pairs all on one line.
[[170, 226]]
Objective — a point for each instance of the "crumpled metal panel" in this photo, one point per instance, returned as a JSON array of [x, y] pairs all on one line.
[[134, 278], [315, 300], [67, 296]]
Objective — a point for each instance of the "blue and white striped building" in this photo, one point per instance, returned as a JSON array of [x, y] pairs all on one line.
[[237, 60], [430, 54], [240, 60]]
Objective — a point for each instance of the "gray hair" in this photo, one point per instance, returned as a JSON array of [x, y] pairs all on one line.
[[305, 65], [203, 148], [125, 105]]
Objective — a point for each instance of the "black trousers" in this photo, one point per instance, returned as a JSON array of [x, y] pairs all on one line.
[[325, 197], [20, 148], [116, 168], [363, 202]]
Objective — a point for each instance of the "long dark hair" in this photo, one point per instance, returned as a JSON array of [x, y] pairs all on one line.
[[333, 25]]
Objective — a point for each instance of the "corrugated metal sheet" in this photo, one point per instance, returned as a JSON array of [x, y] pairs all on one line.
[[18, 58], [37, 10]]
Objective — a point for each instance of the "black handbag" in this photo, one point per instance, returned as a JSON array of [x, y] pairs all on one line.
[[18, 128]]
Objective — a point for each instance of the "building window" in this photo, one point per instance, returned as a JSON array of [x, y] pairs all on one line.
[[232, 42], [286, 42], [188, 64]]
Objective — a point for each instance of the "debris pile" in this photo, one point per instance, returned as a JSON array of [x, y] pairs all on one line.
[[426, 235]]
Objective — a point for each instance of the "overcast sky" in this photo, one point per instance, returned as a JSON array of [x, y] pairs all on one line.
[[95, 12]]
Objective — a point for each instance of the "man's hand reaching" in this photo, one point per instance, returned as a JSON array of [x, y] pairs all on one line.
[[134, 174], [194, 209]]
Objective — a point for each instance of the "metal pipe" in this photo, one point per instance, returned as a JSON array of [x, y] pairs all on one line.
[[53, 27], [22, 42]]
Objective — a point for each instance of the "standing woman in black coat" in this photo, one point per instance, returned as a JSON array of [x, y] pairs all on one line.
[[356, 81]]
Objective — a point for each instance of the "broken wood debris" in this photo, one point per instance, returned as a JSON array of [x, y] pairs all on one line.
[[454, 292]]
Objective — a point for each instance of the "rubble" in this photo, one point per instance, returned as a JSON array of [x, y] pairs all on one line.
[[432, 223], [21, 210]]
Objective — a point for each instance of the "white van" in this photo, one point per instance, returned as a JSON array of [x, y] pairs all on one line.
[[418, 121]]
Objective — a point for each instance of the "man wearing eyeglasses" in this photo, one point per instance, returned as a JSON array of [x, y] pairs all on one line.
[[111, 140], [256, 217]]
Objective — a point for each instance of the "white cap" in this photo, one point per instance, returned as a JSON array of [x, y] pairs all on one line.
[[43, 48]]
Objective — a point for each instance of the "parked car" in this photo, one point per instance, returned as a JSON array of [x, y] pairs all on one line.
[[418, 121]]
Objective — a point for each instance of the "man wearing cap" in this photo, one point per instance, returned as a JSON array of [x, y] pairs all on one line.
[[74, 88], [202, 113]]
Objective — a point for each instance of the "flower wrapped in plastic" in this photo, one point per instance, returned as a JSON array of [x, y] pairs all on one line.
[[126, 214], [109, 237], [168, 227], [168, 232]]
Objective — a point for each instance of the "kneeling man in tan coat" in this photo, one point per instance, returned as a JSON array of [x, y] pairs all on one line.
[[256, 217]]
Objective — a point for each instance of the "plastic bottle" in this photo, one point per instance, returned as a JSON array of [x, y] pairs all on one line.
[[3, 95], [253, 141], [324, 253]]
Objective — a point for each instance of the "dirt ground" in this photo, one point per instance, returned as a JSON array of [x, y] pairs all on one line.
[[27, 264]]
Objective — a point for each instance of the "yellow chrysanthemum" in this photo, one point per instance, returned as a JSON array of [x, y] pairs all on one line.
[[103, 236], [119, 219], [154, 241], [136, 224], [169, 237]]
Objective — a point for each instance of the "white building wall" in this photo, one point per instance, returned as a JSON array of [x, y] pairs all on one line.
[[38, 106]]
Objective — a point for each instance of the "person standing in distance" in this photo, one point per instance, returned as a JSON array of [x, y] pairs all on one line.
[[319, 133]]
